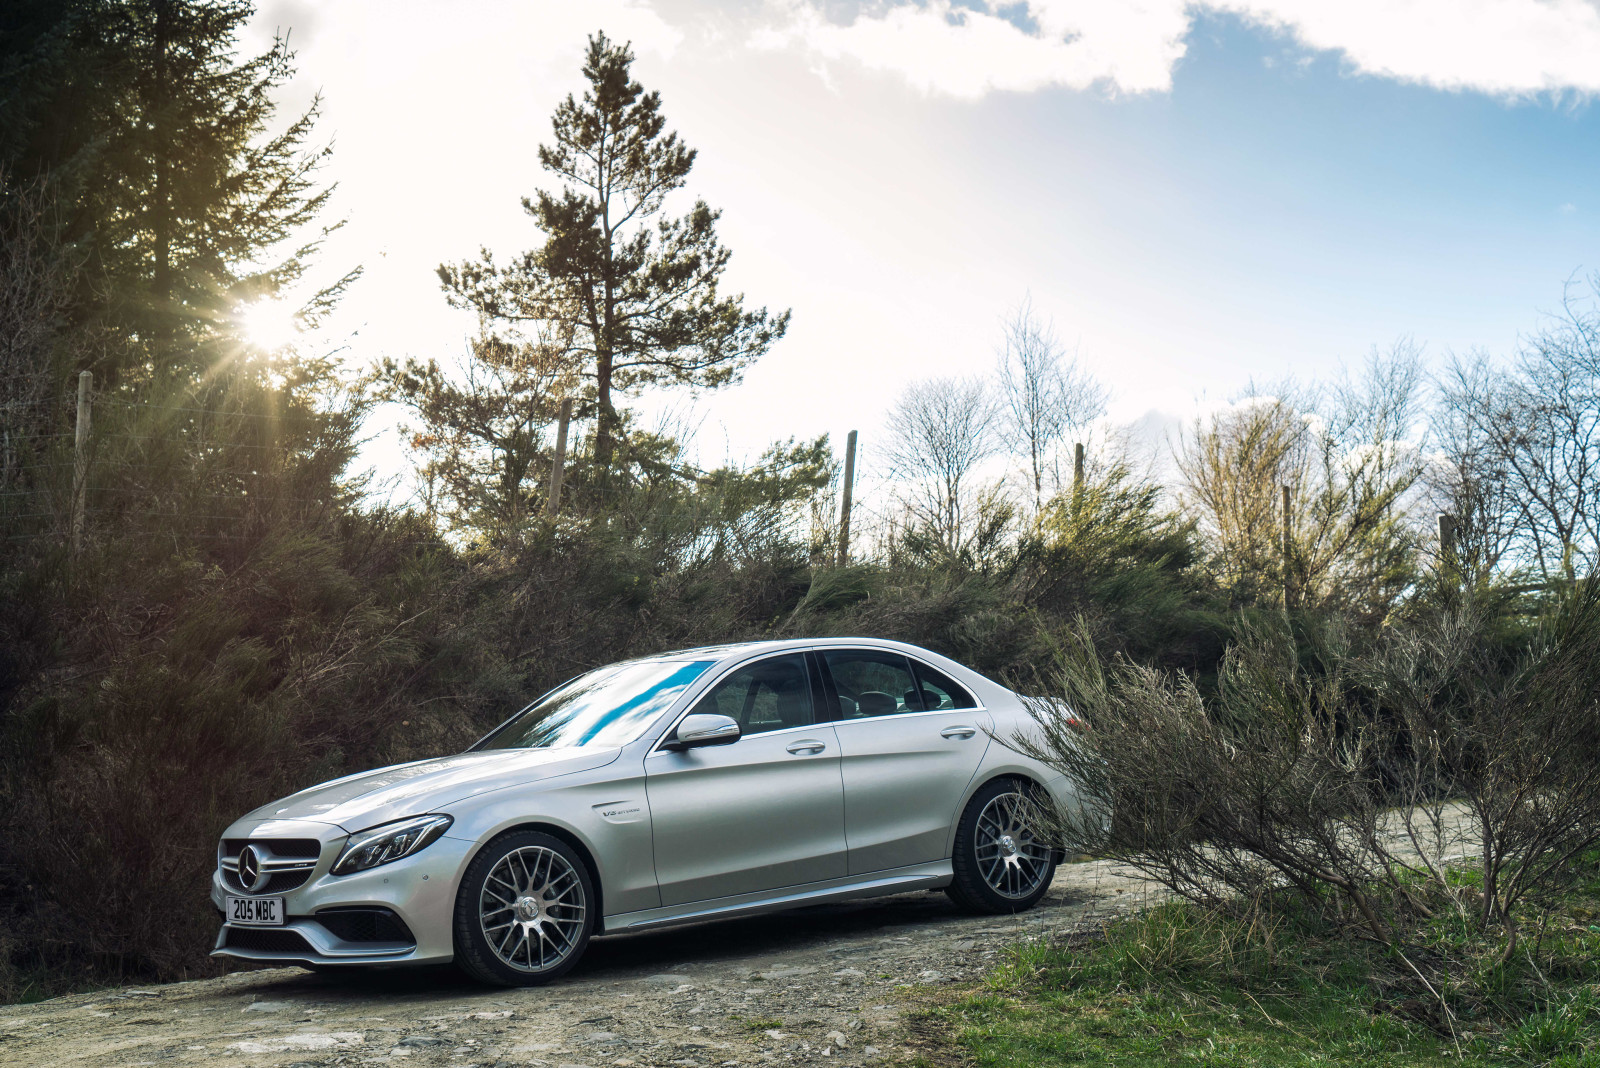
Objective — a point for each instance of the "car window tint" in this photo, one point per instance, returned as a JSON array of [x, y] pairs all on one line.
[[939, 691], [768, 695], [872, 683]]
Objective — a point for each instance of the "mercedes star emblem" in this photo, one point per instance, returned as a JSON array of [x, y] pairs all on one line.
[[251, 875]]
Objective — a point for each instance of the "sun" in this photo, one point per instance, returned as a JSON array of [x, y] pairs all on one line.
[[269, 324]]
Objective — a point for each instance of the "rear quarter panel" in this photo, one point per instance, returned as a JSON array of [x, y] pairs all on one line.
[[1003, 760]]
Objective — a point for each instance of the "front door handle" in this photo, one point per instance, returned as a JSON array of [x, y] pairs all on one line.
[[806, 745], [958, 732]]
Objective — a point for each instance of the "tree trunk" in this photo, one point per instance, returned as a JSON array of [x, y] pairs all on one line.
[[605, 414], [1038, 473], [162, 238]]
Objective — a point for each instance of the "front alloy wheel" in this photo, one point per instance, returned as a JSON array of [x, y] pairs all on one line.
[[523, 913]]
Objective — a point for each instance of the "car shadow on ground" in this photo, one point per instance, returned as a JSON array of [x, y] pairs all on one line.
[[610, 958]]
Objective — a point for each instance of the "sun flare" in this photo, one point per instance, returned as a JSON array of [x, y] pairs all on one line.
[[269, 324]]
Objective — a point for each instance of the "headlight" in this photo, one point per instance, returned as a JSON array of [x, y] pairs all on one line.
[[389, 841]]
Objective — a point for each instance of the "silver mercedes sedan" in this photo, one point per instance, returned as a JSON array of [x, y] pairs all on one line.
[[672, 789]]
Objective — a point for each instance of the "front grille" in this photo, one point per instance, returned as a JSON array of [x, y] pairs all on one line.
[[301, 848], [280, 883], [365, 925], [297, 857], [266, 940]]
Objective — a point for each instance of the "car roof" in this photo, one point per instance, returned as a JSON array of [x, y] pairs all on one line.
[[740, 650], [724, 656]]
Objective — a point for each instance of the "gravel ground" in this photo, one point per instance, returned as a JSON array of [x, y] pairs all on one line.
[[822, 985]]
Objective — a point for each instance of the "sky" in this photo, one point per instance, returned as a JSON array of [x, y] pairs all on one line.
[[1199, 195]]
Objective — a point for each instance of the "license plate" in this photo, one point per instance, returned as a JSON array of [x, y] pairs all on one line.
[[255, 911]]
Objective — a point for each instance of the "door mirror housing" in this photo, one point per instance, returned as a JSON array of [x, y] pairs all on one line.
[[702, 729]]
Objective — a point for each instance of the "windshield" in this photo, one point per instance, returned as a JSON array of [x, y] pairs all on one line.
[[608, 706]]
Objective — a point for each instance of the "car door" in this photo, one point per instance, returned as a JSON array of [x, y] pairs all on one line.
[[910, 740], [762, 813]]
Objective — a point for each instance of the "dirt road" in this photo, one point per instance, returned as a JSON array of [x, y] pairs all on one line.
[[813, 985]]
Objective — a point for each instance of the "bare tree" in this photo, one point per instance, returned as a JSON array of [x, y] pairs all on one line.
[[1351, 463], [1357, 535], [1043, 395], [1532, 437], [941, 431], [1468, 476], [1232, 466]]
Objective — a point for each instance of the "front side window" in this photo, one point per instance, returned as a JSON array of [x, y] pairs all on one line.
[[872, 683], [608, 706], [768, 695]]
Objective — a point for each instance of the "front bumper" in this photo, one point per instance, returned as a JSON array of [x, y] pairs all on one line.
[[420, 890]]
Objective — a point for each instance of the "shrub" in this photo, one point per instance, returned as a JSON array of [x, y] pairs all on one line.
[[1347, 770]]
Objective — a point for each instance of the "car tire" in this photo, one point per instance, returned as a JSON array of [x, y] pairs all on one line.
[[524, 911], [1002, 862]]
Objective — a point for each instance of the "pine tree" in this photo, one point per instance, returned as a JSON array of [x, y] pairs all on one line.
[[633, 292], [181, 197], [223, 554], [482, 429], [158, 144]]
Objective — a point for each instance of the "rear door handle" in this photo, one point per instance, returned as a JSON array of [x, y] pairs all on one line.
[[958, 732], [806, 745]]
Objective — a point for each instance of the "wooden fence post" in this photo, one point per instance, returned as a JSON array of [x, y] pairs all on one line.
[[1288, 547], [559, 463], [1077, 474], [844, 504], [80, 466], [1447, 538]]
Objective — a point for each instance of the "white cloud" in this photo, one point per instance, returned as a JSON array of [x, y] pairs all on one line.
[[1501, 47], [957, 51]]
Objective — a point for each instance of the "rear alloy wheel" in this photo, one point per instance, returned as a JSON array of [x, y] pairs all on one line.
[[524, 912], [1002, 861]]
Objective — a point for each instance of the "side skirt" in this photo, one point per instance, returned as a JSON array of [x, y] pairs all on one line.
[[876, 884]]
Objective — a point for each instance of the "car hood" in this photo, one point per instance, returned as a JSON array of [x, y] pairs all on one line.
[[356, 802]]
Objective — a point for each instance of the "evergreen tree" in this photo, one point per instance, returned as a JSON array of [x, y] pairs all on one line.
[[632, 292], [482, 433], [162, 673], [157, 141], [181, 199]]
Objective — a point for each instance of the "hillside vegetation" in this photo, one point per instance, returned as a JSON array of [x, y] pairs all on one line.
[[205, 604]]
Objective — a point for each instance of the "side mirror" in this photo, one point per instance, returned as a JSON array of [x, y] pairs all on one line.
[[703, 729]]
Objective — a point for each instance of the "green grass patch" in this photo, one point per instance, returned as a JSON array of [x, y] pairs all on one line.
[[759, 1023], [1178, 985]]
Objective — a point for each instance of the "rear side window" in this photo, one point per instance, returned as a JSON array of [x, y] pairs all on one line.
[[768, 695], [872, 683], [939, 691]]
